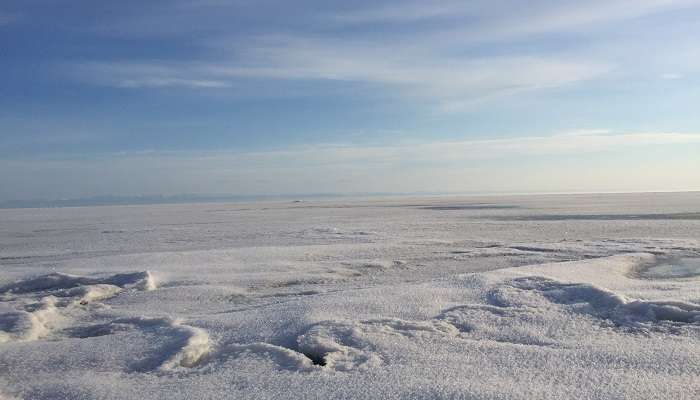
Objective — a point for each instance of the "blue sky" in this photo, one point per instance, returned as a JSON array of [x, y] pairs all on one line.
[[275, 97]]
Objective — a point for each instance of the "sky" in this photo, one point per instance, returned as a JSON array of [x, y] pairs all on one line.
[[245, 97]]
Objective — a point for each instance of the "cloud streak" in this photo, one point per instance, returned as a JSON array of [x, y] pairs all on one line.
[[509, 20], [568, 143], [436, 79]]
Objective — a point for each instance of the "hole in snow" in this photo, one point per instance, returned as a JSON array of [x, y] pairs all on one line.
[[316, 359]]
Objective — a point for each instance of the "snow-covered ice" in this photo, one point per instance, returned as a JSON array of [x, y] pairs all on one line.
[[517, 297]]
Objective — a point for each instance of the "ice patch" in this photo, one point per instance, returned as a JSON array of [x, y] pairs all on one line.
[[672, 269]]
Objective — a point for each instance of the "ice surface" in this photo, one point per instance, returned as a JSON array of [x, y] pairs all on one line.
[[673, 268], [475, 298]]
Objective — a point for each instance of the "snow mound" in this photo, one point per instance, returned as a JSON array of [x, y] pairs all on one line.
[[347, 346], [339, 346], [29, 325], [412, 328], [63, 293], [142, 280], [503, 325], [282, 356], [185, 346], [195, 347], [603, 303]]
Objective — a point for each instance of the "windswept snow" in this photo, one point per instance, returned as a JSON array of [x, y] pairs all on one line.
[[338, 346], [29, 325], [474, 298], [56, 281], [60, 295], [194, 347]]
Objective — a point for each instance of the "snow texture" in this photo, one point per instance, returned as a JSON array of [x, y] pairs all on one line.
[[427, 298]]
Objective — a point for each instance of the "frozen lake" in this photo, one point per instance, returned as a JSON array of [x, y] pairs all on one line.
[[518, 297]]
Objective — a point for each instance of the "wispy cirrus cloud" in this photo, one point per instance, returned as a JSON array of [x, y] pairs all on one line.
[[143, 75], [408, 11], [571, 142], [442, 63], [486, 19], [545, 15], [500, 21], [445, 80], [401, 64], [433, 62]]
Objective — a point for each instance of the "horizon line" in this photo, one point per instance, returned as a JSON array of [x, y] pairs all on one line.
[[188, 198]]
